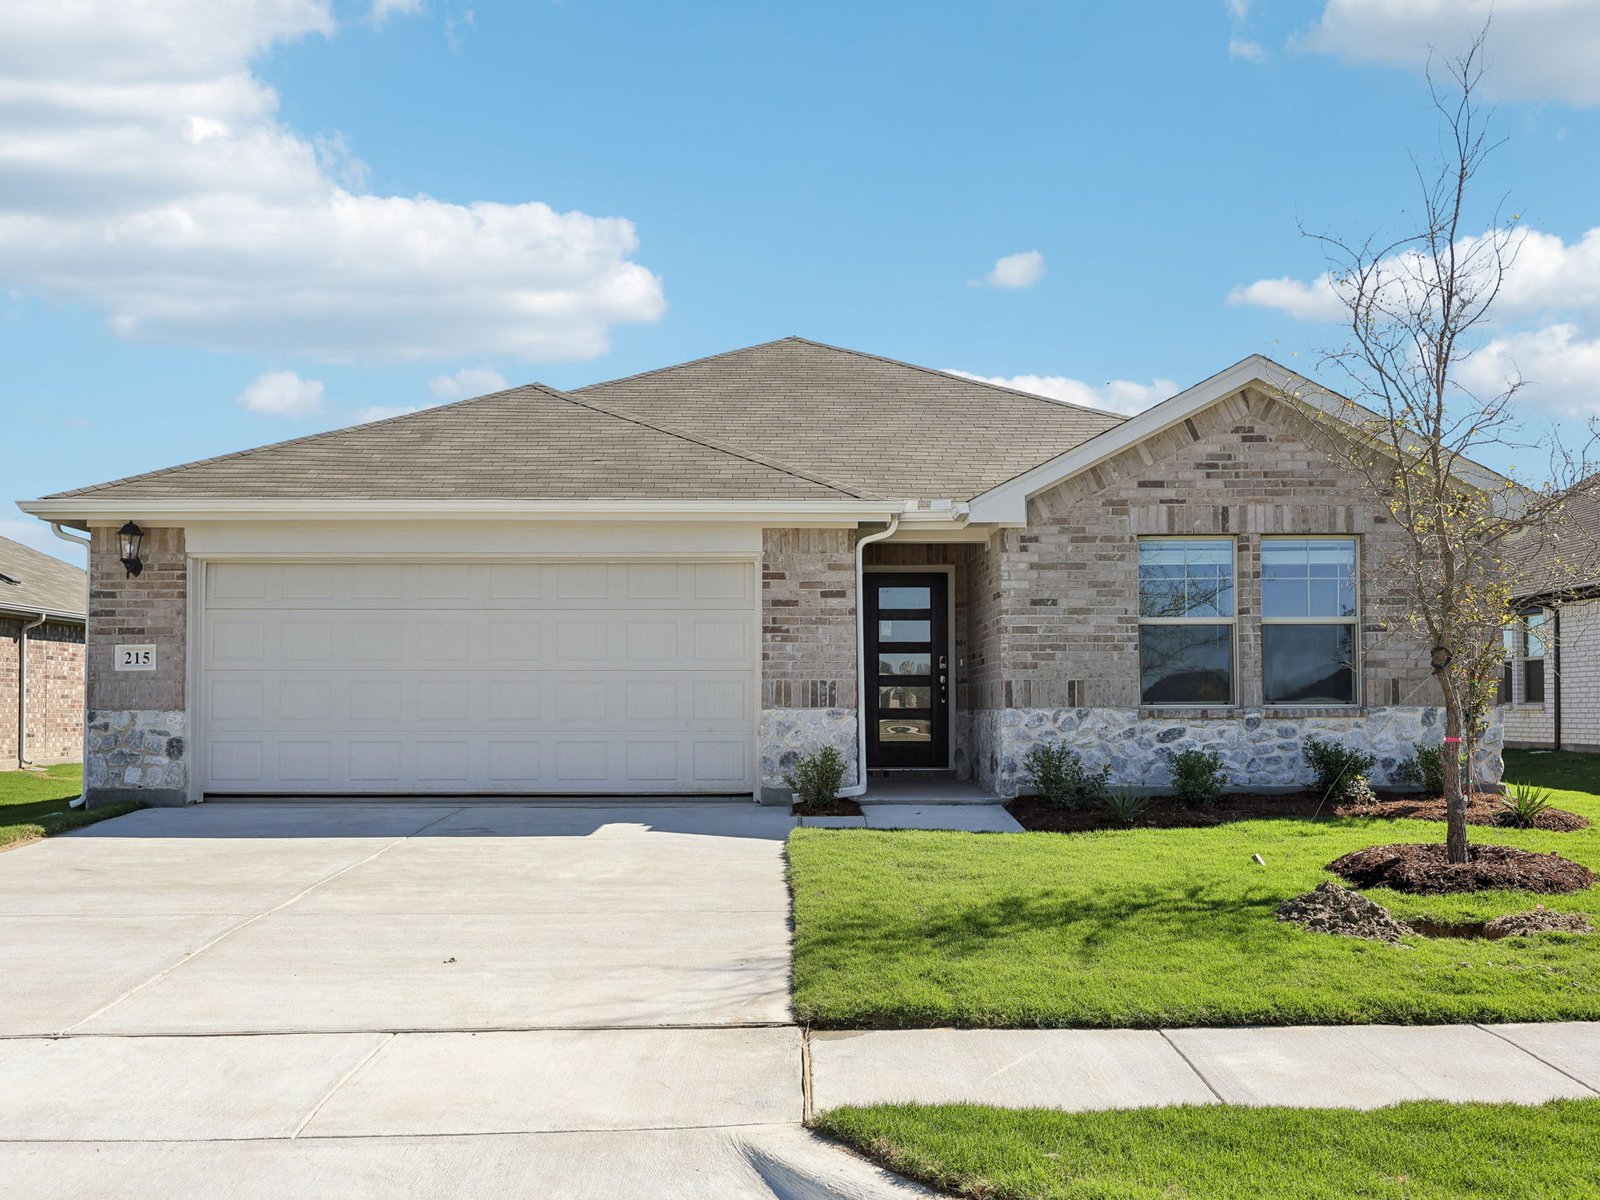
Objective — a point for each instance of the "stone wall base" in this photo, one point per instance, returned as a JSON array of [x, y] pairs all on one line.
[[1258, 749], [137, 754], [788, 733]]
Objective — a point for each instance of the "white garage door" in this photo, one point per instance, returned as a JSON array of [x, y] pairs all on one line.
[[551, 677]]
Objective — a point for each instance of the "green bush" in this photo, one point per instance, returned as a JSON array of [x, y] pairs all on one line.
[[818, 776], [1337, 768], [1197, 776], [1425, 767], [1125, 806], [1062, 779], [1521, 805]]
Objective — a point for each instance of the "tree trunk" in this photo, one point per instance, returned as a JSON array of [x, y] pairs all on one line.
[[1455, 801]]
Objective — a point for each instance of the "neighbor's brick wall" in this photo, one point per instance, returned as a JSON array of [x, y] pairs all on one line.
[[1534, 724], [1063, 592], [55, 692], [808, 618], [150, 607]]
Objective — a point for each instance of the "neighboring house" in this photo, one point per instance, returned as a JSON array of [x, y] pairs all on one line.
[[1551, 687], [41, 658], [650, 586]]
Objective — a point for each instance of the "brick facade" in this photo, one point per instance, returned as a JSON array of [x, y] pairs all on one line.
[[55, 692], [138, 719], [808, 618], [1534, 725]]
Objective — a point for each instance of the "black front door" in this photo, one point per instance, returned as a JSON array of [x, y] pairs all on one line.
[[908, 671]]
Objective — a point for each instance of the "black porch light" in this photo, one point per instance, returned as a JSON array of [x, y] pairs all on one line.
[[129, 538]]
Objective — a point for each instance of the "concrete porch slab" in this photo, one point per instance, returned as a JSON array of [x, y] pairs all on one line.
[[911, 790], [569, 1080], [1070, 1069], [1369, 1066], [971, 818]]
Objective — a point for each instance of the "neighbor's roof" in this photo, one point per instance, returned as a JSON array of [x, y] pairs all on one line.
[[882, 427], [1566, 559], [788, 420], [33, 582]]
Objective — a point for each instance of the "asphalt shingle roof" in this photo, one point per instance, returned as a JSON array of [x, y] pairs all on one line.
[[41, 583], [787, 420]]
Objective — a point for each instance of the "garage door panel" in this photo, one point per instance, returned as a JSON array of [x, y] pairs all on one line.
[[364, 677]]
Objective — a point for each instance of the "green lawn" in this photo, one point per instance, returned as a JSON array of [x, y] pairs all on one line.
[[1422, 1151], [1164, 927], [34, 804]]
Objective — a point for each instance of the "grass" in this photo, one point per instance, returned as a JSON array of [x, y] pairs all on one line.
[[1166, 927], [1421, 1151], [33, 804]]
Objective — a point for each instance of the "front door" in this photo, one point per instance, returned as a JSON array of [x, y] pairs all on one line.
[[908, 670]]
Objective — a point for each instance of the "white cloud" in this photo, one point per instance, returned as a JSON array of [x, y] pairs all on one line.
[[144, 173], [466, 383], [1116, 395], [382, 10], [282, 394], [1238, 9], [1017, 270], [1537, 49], [1249, 51], [37, 534], [1560, 370], [1305, 300]]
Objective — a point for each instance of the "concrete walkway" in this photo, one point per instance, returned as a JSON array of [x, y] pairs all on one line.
[[1358, 1066]]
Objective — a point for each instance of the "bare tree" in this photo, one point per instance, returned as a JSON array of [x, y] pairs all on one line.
[[1415, 307]]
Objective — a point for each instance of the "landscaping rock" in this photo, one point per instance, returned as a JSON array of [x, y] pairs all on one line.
[[1334, 909], [1424, 870], [1540, 920]]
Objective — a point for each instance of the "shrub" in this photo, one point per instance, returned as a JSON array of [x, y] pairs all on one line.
[[1125, 806], [1425, 767], [1521, 805], [1358, 791], [817, 777], [1063, 780], [1197, 776], [1336, 767]]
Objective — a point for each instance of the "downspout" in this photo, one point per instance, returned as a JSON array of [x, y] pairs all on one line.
[[1556, 721], [23, 760], [859, 788], [76, 540]]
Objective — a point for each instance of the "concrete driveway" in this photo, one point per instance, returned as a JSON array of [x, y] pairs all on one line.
[[370, 999]]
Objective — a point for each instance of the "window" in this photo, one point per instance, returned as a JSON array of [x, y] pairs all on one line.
[[1186, 620], [1308, 620], [1508, 643], [1533, 643]]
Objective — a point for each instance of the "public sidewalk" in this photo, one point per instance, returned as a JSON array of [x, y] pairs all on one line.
[[1350, 1066]]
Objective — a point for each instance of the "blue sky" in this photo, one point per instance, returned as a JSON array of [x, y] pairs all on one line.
[[229, 223]]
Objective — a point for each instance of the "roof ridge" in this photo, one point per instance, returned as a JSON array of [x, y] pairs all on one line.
[[693, 362], [294, 441], [983, 383], [760, 460]]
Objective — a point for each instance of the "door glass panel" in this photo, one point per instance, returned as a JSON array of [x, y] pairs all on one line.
[[905, 631], [905, 697], [905, 597], [893, 730], [895, 663]]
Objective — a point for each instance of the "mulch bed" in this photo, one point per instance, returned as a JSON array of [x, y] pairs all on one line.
[[1482, 809], [1424, 870], [832, 808], [1036, 814], [1164, 812]]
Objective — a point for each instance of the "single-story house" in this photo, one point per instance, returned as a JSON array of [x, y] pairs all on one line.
[[41, 657], [677, 581], [1551, 687]]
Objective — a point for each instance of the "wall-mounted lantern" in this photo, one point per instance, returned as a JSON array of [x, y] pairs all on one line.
[[129, 538]]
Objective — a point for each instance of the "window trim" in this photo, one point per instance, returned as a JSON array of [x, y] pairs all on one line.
[[1353, 621], [1231, 621], [1524, 631]]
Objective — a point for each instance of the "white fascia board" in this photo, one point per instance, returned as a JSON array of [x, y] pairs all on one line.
[[84, 511], [1008, 503]]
